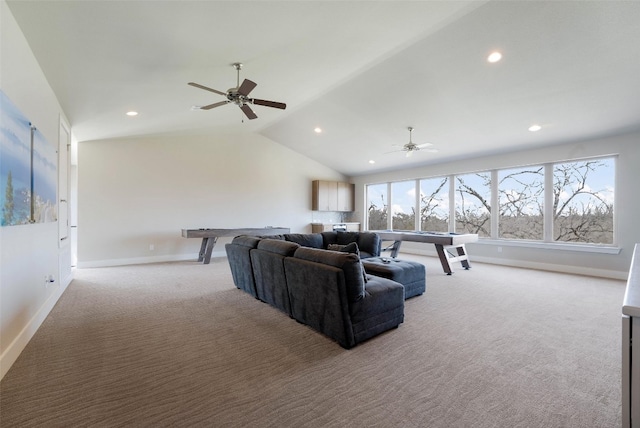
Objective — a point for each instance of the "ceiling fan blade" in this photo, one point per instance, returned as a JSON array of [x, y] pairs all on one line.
[[267, 103], [197, 85], [246, 87], [423, 145], [210, 106], [248, 112], [393, 151]]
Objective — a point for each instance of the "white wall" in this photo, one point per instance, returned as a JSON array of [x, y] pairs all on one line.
[[28, 253], [627, 205], [142, 191]]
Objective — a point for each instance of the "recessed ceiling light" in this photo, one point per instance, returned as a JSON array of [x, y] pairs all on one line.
[[372, 162], [535, 128], [132, 113], [317, 130], [494, 57]]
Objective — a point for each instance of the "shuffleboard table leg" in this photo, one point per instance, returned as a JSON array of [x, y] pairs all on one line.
[[444, 260], [209, 250], [203, 248]]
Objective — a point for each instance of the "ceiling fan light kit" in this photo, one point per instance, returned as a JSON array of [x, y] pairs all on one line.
[[239, 95]]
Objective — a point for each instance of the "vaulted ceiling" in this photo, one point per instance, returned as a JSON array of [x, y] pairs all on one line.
[[362, 71]]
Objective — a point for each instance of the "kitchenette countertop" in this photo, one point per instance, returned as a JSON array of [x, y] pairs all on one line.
[[336, 222]]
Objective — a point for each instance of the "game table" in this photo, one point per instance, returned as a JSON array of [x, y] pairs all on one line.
[[210, 236], [444, 242]]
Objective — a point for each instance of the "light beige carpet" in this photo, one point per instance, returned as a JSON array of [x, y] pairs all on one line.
[[176, 344]]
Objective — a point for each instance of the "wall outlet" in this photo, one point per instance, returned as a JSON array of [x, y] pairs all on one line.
[[152, 247], [499, 249], [49, 280]]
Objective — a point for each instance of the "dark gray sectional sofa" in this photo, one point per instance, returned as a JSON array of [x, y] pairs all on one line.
[[326, 290]]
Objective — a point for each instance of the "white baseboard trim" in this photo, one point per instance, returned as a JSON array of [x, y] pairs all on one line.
[[576, 270], [146, 260], [12, 352]]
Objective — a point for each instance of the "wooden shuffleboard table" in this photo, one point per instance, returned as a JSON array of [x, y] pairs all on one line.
[[444, 243], [210, 236]]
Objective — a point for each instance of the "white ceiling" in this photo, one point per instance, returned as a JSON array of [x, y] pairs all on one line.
[[362, 71]]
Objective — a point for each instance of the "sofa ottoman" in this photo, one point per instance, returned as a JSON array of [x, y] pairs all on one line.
[[412, 275]]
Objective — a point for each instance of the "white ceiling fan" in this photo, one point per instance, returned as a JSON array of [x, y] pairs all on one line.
[[411, 147]]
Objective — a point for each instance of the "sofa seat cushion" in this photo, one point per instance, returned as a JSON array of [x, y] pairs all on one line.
[[348, 262], [412, 275], [311, 240]]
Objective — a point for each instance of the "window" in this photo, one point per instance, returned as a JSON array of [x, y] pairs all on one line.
[[434, 204], [403, 205], [583, 195], [521, 203], [473, 203], [377, 206], [564, 202]]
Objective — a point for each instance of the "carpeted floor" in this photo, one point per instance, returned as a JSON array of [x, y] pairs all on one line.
[[176, 344]]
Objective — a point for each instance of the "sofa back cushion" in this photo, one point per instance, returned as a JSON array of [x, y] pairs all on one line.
[[283, 248], [348, 262], [246, 241], [369, 244], [349, 248], [344, 238], [311, 240], [329, 238], [278, 237]]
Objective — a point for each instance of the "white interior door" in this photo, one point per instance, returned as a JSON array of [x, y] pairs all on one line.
[[64, 157]]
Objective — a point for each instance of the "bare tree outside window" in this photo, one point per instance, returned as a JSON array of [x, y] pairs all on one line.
[[403, 202], [434, 204], [473, 203], [583, 196], [521, 200], [377, 210]]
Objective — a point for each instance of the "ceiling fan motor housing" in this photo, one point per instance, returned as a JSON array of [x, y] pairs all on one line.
[[235, 97]]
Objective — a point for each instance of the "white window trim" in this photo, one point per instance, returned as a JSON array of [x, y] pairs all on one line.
[[555, 245]]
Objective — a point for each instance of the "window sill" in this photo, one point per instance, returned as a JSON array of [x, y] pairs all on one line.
[[581, 248]]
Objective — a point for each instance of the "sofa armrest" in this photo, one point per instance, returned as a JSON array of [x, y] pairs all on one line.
[[318, 298], [238, 256], [381, 295], [380, 310]]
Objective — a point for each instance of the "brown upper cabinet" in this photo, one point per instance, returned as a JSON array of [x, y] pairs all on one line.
[[332, 196]]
